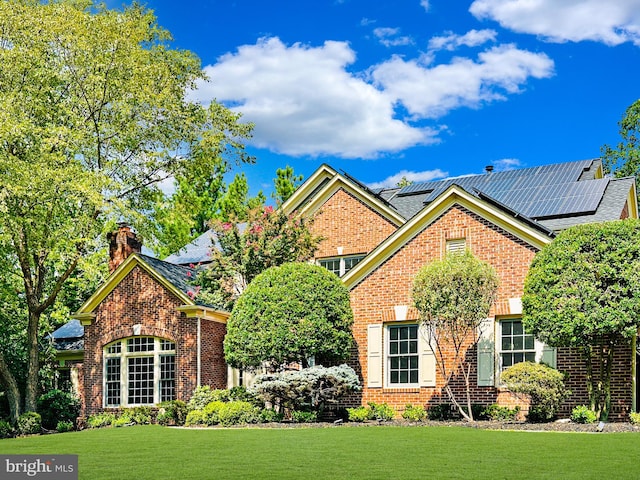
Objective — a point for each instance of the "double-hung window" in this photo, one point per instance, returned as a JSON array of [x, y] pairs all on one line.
[[402, 355], [139, 371], [516, 344]]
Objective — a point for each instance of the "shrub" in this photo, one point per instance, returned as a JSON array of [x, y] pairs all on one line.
[[201, 397], [172, 412], [440, 412], [141, 415], [381, 412], [237, 412], [63, 426], [634, 417], [583, 414], [543, 384], [194, 417], [358, 414], [496, 412], [241, 394], [414, 414], [306, 389], [58, 406], [29, 423], [268, 415], [99, 420], [211, 412], [6, 431], [123, 419], [299, 416]]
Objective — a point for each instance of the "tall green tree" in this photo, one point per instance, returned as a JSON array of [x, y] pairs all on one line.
[[624, 159], [93, 114], [285, 183], [236, 204], [583, 290], [453, 297], [287, 314]]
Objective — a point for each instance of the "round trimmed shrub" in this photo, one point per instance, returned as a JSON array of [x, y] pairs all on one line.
[[58, 406], [583, 414], [414, 414], [29, 423]]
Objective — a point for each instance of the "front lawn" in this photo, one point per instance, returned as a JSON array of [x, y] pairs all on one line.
[[153, 452]]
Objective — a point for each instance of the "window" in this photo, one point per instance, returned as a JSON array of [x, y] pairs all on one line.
[[515, 344], [139, 371], [340, 265], [402, 355]]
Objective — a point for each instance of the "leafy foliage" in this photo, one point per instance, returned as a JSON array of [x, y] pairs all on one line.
[[94, 114], [544, 386], [440, 412], [381, 412], [249, 245], [55, 406], [624, 159], [583, 414], [29, 423], [414, 413], [358, 414], [583, 290], [304, 416], [285, 184], [289, 314], [454, 296], [63, 426], [102, 419], [173, 412], [6, 431], [497, 412], [634, 418], [307, 389], [224, 413]]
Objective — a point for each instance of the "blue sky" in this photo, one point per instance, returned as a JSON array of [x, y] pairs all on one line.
[[420, 88]]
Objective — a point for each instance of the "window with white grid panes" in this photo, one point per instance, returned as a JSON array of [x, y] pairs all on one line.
[[340, 265], [139, 371], [402, 355], [516, 345]]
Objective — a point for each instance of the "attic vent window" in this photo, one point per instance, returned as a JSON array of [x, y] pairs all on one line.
[[457, 245]]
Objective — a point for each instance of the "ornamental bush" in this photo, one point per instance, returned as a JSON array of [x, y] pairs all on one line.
[[414, 414], [440, 412], [634, 418], [173, 412], [358, 414], [6, 431], [99, 420], [300, 416], [496, 412], [56, 406], [29, 423], [289, 314], [237, 413], [63, 427], [269, 415], [544, 386], [381, 412], [204, 395], [307, 389], [583, 414]]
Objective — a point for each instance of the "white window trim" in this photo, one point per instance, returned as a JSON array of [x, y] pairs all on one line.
[[124, 370], [537, 346], [342, 259], [387, 355]]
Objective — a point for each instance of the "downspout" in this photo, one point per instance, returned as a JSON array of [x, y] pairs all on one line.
[[199, 355]]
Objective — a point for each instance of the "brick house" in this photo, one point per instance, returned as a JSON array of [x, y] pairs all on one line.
[[376, 240]]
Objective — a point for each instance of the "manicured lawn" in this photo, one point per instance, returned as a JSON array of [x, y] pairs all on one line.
[[155, 452]]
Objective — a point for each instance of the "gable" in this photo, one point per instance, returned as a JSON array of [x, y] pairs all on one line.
[[349, 226], [491, 216]]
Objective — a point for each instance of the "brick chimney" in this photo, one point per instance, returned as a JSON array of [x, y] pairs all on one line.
[[122, 243]]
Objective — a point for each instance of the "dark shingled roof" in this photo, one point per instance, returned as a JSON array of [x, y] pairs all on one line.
[[68, 337], [198, 251]]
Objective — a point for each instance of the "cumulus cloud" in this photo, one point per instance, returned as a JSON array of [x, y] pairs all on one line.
[[417, 177], [609, 22], [390, 37], [505, 164], [432, 91], [304, 102], [451, 41], [425, 4]]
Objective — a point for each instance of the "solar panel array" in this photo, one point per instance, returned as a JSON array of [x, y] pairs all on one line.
[[537, 192]]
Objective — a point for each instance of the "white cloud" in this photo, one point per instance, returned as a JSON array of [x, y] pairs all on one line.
[[417, 177], [304, 102], [430, 92], [451, 41], [505, 164], [425, 4], [390, 37], [611, 22]]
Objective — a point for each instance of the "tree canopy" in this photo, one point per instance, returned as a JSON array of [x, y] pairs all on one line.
[[624, 159], [93, 114], [453, 297], [289, 314], [583, 290]]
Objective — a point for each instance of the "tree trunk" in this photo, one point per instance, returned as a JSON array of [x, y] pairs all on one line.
[[11, 389], [33, 363], [606, 385]]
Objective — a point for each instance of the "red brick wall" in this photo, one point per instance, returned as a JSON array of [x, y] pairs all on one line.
[[214, 368], [344, 221], [139, 299]]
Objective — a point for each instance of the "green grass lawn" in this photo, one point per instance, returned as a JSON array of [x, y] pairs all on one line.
[[154, 452]]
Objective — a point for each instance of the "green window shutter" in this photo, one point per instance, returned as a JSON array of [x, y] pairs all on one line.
[[374, 356], [486, 354], [427, 361]]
